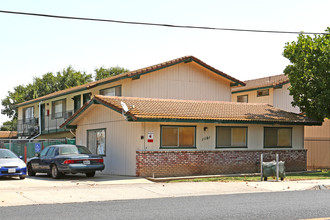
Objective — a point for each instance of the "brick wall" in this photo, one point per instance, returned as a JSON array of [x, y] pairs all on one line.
[[185, 163]]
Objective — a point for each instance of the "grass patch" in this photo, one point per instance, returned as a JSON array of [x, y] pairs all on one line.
[[324, 174]]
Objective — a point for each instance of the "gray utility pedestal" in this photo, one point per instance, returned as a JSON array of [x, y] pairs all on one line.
[[269, 169]]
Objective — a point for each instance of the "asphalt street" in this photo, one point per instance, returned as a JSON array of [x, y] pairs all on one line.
[[271, 205]]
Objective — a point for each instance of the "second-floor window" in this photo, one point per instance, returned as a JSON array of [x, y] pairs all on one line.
[[242, 98], [113, 91], [263, 92], [28, 114], [58, 108]]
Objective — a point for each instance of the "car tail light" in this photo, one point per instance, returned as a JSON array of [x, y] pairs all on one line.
[[99, 160], [70, 161], [80, 161]]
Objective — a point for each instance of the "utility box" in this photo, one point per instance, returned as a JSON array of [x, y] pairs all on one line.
[[269, 169]]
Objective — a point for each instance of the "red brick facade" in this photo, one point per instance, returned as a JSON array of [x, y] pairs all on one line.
[[185, 163]]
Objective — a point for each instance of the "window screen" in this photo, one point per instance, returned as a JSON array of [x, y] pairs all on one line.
[[231, 137], [278, 137], [96, 141], [178, 136]]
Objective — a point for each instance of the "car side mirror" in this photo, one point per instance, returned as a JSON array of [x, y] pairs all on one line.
[[37, 154], [21, 157]]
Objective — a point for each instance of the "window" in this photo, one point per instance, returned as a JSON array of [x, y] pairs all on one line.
[[86, 97], [278, 137], [28, 114], [242, 98], [58, 108], [50, 152], [44, 151], [178, 136], [76, 102], [231, 137], [263, 92], [113, 91], [96, 141]]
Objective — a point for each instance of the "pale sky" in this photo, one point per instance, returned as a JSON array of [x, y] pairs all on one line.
[[32, 46]]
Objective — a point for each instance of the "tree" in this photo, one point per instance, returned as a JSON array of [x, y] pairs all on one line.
[[102, 72], [309, 74], [9, 125], [47, 84]]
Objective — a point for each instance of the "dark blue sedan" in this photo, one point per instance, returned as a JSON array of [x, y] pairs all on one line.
[[11, 165], [57, 160]]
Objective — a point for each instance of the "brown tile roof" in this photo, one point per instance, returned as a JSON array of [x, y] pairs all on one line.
[[8, 134], [148, 109], [272, 81], [133, 74]]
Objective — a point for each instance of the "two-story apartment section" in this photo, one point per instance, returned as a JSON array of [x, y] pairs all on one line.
[[182, 78], [174, 118], [274, 91]]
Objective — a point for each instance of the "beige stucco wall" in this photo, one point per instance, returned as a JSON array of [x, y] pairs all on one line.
[[279, 98], [124, 138], [206, 140], [253, 98]]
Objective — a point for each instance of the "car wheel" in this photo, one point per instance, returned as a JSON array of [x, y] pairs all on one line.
[[90, 174], [22, 177], [30, 170], [55, 173]]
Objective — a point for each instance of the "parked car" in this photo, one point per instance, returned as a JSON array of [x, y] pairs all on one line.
[[57, 160], [11, 164]]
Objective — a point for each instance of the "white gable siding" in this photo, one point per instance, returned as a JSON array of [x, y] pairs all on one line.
[[122, 139], [183, 81]]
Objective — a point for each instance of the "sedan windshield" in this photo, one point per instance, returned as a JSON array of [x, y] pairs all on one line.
[[74, 150], [7, 154]]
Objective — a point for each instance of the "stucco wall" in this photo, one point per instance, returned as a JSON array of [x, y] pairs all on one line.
[[253, 98]]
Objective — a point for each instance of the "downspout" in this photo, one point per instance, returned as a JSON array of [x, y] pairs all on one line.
[[39, 122]]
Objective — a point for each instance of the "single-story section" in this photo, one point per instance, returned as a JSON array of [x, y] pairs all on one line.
[[167, 137]]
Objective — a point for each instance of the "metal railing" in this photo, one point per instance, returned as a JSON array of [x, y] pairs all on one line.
[[49, 124]]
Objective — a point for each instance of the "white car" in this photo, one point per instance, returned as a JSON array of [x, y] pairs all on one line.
[[11, 165]]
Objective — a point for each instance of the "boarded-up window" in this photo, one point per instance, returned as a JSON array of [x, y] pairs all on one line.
[[96, 141], [278, 137], [231, 137], [178, 136]]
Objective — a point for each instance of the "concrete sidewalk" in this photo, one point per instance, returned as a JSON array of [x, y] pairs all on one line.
[[71, 189]]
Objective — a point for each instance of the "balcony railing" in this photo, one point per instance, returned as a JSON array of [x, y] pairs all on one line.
[[49, 124], [27, 127]]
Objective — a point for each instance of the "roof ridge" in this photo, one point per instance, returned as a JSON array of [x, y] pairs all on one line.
[[272, 76], [137, 72], [181, 100]]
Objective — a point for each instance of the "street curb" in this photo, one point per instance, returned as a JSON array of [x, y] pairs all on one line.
[[165, 179]]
